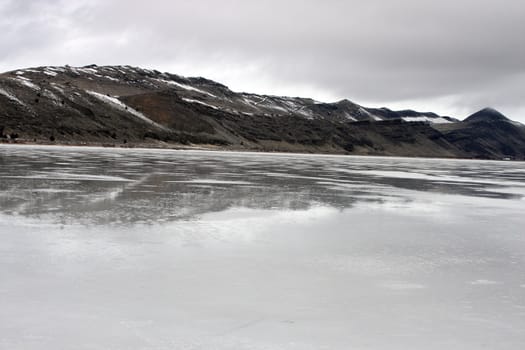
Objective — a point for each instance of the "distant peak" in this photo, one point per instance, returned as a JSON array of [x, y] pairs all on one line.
[[345, 102], [487, 114], [490, 110]]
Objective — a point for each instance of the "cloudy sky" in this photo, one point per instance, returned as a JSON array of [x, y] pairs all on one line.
[[450, 56]]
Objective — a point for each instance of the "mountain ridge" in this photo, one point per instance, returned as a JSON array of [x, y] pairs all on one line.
[[124, 105], [487, 114]]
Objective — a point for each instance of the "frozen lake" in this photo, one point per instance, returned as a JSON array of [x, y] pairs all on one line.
[[153, 249]]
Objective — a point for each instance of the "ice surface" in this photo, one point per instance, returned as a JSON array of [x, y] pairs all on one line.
[[157, 249], [213, 181], [484, 282]]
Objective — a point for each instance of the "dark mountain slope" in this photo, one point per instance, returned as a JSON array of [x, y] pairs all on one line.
[[487, 134], [118, 105], [486, 115]]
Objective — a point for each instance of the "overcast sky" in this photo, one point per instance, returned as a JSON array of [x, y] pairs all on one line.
[[449, 56]]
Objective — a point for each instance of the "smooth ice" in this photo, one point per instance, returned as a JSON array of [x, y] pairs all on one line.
[[156, 249]]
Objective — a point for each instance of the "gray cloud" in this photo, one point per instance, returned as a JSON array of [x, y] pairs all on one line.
[[451, 56]]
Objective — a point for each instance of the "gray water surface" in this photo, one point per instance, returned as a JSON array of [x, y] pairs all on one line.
[[154, 249]]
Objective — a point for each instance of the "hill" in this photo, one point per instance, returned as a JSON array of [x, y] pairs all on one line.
[[129, 106]]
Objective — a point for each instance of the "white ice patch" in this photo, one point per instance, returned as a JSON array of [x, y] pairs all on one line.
[[199, 102], [349, 117], [52, 97], [425, 119], [117, 104], [58, 88], [56, 69], [261, 101], [26, 82], [51, 190], [110, 78], [11, 97], [87, 70], [50, 73], [71, 176], [367, 113], [279, 105], [484, 283], [305, 113], [185, 87], [430, 177], [290, 103], [215, 182], [299, 109], [371, 266], [402, 286], [249, 102], [277, 108]]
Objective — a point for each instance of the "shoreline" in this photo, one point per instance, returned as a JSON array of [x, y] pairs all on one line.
[[215, 148]]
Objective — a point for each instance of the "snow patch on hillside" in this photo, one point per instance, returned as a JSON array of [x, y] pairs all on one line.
[[277, 105], [58, 88], [57, 101], [349, 117], [26, 82], [117, 104], [56, 69], [426, 120], [363, 111], [86, 70], [50, 73], [11, 96], [111, 78], [199, 102], [307, 113], [185, 87]]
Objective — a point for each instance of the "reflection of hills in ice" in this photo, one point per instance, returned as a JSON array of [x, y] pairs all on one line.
[[182, 248], [100, 186]]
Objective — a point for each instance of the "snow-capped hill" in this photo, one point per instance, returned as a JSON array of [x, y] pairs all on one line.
[[130, 105], [124, 81]]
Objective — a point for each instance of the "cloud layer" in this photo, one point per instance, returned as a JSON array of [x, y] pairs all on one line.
[[453, 57]]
